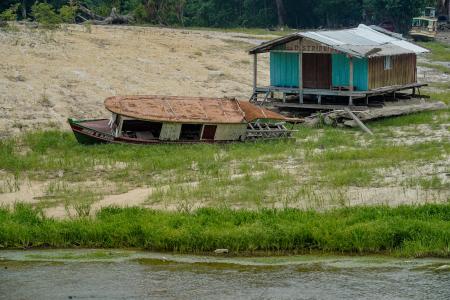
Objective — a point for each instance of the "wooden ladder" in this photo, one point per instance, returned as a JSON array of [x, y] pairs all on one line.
[[255, 100], [267, 131]]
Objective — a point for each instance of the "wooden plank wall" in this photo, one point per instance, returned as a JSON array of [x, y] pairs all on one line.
[[403, 71]]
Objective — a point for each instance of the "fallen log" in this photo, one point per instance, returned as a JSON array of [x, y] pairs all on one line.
[[392, 111], [342, 117], [91, 15], [113, 18]]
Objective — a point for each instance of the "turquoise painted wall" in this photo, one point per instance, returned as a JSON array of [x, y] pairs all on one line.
[[341, 72], [284, 69]]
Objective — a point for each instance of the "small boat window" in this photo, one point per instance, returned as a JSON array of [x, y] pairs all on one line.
[[191, 132], [141, 129]]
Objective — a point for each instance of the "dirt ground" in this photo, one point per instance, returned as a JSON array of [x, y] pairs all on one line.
[[46, 77]]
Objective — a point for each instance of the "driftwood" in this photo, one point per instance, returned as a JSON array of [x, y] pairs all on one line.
[[114, 18], [392, 111], [358, 121], [343, 118]]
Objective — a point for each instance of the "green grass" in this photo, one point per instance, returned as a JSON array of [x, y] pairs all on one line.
[[406, 231], [44, 155], [443, 96], [433, 183], [327, 157], [258, 189], [238, 30], [440, 68], [428, 117], [357, 167], [439, 51]]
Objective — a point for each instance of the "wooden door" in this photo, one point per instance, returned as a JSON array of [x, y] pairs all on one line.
[[316, 71]]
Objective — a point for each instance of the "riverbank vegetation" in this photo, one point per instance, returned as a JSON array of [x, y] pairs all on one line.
[[413, 231]]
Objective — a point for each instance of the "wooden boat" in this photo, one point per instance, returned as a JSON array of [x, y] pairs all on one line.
[[162, 119], [424, 28]]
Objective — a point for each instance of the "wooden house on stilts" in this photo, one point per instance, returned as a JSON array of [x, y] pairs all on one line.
[[350, 65]]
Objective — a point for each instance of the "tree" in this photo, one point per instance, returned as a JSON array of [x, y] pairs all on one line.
[[281, 12], [244, 13], [400, 12], [44, 14], [10, 13], [67, 13]]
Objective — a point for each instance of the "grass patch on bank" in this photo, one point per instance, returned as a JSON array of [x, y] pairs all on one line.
[[357, 167], [405, 231], [438, 67], [48, 154], [249, 174], [443, 96], [439, 51], [427, 117]]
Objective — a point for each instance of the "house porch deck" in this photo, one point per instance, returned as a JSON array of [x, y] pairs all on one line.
[[319, 93]]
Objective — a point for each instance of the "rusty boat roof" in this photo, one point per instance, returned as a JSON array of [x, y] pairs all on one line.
[[189, 109]]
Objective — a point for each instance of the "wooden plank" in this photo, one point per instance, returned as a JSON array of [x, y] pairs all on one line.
[[402, 72], [350, 101], [358, 121], [300, 71]]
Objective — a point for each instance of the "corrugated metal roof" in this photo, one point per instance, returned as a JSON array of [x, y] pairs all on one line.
[[188, 109], [361, 41]]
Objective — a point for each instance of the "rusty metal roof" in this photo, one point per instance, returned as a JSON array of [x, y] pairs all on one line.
[[188, 109], [253, 112]]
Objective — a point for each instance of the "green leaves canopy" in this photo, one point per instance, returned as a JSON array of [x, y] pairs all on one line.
[[249, 13]]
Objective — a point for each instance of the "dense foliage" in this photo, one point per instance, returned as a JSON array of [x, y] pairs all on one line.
[[245, 13]]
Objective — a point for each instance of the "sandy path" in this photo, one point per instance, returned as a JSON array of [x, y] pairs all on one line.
[[29, 192], [131, 198], [317, 199]]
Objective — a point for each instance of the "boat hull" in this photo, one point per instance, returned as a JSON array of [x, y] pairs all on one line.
[[90, 132], [422, 36]]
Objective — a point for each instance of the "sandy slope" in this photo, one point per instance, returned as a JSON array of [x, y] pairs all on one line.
[[46, 77]]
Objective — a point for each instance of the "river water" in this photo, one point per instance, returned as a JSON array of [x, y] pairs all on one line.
[[114, 274]]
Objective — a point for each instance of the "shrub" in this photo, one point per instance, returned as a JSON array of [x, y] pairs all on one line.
[[67, 13], [140, 14], [10, 13], [45, 15]]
